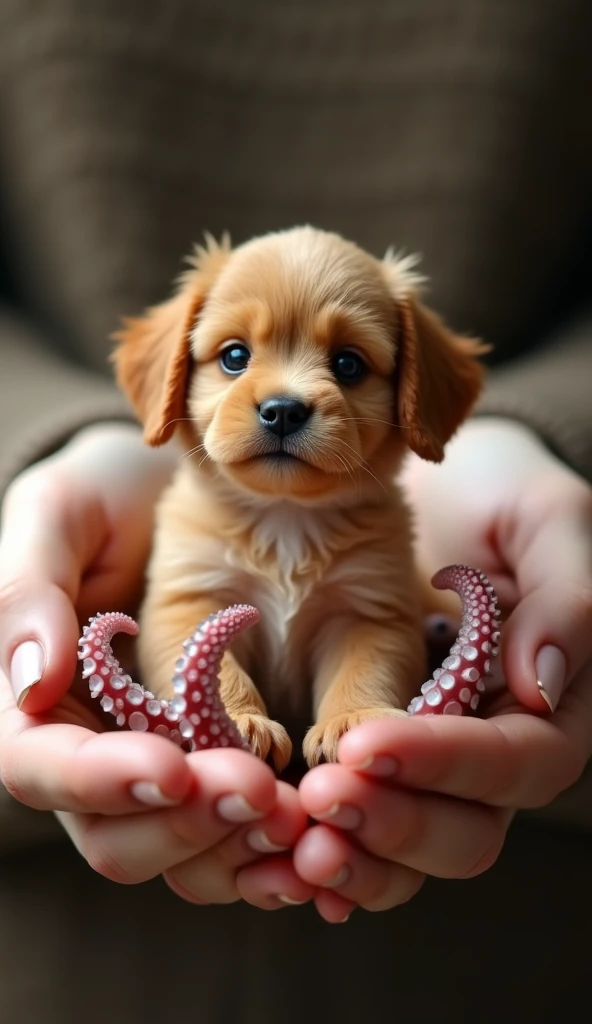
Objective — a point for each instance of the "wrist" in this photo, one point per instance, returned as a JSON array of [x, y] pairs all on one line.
[[486, 453], [105, 431], [119, 442], [114, 457], [497, 429]]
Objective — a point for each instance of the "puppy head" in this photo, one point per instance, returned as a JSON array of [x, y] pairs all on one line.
[[305, 366]]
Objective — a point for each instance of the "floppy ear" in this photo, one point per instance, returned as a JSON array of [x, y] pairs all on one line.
[[153, 356], [438, 378]]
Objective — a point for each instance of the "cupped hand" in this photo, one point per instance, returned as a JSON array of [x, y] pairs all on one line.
[[502, 502], [76, 531], [435, 796]]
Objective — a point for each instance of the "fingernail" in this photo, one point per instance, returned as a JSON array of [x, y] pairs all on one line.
[[339, 879], [259, 841], [343, 920], [26, 669], [290, 902], [551, 670], [150, 794], [342, 816], [381, 766], [236, 809]]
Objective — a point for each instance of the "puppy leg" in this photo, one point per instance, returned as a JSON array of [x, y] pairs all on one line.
[[267, 739], [163, 628], [365, 670]]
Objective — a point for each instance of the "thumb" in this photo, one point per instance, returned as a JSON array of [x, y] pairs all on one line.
[[39, 643], [548, 637], [47, 541]]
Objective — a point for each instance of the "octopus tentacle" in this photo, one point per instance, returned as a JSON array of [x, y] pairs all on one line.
[[195, 718], [456, 687]]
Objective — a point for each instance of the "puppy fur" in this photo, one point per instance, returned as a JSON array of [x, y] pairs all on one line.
[[318, 537]]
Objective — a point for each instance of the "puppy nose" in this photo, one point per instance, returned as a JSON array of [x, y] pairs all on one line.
[[283, 415]]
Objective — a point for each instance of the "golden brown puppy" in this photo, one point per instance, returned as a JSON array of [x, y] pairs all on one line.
[[297, 371]]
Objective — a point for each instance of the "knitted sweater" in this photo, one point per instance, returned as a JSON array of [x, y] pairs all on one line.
[[458, 129]]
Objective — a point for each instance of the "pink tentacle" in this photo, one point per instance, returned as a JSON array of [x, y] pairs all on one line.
[[456, 687], [195, 718]]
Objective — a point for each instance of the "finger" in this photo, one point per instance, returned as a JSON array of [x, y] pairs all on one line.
[[277, 833], [231, 788], [547, 638], [514, 759], [273, 884], [69, 768], [325, 857], [44, 549], [433, 834], [211, 876], [333, 908], [546, 641]]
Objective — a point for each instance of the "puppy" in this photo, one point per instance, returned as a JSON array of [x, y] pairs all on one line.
[[296, 371]]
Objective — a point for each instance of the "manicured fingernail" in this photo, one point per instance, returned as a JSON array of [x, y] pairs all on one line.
[[290, 902], [339, 879], [381, 766], [236, 809], [150, 794], [26, 669], [551, 670], [259, 841], [343, 816]]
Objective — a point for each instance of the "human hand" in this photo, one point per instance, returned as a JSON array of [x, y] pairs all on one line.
[[75, 536], [502, 502], [438, 794]]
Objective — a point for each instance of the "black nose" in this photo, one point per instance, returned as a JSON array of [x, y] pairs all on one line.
[[283, 415]]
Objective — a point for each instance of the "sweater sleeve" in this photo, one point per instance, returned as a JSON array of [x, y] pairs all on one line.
[[550, 391], [44, 399]]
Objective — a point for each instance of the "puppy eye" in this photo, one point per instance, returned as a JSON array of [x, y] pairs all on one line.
[[348, 367], [235, 358]]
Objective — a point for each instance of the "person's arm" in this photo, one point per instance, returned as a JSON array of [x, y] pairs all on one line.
[[45, 400], [76, 532], [549, 390], [503, 501]]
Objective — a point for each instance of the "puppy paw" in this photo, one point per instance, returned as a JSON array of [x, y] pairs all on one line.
[[266, 739], [320, 742]]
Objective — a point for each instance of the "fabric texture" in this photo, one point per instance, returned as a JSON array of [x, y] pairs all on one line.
[[452, 128]]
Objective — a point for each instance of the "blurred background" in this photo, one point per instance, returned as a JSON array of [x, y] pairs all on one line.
[[456, 129]]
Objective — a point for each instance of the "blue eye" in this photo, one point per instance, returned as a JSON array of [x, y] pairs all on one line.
[[235, 358], [348, 367]]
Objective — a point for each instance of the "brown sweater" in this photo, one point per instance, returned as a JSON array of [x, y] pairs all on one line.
[[455, 128]]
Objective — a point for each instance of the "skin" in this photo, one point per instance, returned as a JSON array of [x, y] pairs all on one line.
[[61, 557], [526, 519]]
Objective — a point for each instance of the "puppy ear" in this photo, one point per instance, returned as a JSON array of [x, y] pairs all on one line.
[[438, 378], [153, 356]]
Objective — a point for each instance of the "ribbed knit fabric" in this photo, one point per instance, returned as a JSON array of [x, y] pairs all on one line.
[[454, 128]]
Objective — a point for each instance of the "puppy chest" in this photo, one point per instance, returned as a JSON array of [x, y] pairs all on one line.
[[282, 641]]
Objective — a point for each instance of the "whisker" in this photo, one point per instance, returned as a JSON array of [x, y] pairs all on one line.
[[362, 464], [374, 419], [193, 451], [306, 445], [344, 462], [179, 419]]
